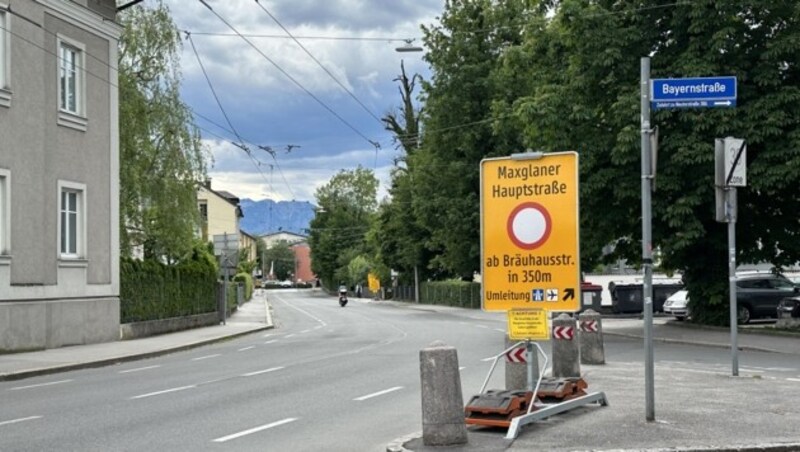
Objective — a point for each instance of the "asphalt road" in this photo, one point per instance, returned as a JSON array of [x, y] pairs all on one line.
[[326, 378]]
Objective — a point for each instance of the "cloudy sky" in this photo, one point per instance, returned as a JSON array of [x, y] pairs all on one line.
[[278, 97]]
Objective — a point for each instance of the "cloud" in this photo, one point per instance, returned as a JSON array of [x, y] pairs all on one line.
[[267, 108]]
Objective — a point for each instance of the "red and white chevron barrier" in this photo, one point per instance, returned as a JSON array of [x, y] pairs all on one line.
[[516, 355], [589, 326], [563, 332]]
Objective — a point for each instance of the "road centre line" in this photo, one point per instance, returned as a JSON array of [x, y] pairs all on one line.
[[246, 348], [139, 369], [254, 430], [499, 330], [199, 358], [166, 391], [482, 326], [259, 372], [23, 419], [39, 385], [290, 335], [271, 342], [793, 379], [488, 359], [379, 393], [304, 331]]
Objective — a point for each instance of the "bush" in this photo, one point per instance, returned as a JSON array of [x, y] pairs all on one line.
[[461, 294], [150, 290], [248, 284]]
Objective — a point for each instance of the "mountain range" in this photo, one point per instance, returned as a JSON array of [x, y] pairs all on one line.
[[267, 216]]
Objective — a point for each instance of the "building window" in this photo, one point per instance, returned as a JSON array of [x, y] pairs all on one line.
[[5, 56], [204, 212], [69, 78], [71, 220], [5, 212]]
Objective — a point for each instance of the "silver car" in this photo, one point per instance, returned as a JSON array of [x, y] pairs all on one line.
[[677, 305]]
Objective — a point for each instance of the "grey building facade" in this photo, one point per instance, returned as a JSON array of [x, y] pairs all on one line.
[[59, 173]]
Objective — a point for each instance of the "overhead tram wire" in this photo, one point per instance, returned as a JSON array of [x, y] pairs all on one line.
[[322, 38], [289, 76], [241, 144], [333, 77]]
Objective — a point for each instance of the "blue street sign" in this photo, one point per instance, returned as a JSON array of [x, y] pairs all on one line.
[[698, 92], [538, 294]]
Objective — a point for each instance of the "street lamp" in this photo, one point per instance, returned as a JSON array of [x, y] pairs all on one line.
[[408, 47]]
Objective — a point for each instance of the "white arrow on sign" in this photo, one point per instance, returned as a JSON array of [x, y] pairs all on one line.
[[727, 103]]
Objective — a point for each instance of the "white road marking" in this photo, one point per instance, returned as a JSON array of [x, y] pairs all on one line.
[[254, 430], [304, 331], [291, 335], [206, 357], [793, 379], [488, 359], [500, 330], [482, 326], [166, 391], [268, 335], [247, 348], [39, 385], [23, 419], [259, 372], [379, 393], [461, 368], [318, 327], [271, 342], [139, 369]]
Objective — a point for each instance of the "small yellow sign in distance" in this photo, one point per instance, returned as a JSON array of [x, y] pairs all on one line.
[[529, 233], [528, 324]]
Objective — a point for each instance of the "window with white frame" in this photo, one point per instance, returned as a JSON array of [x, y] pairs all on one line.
[[5, 56], [71, 220], [5, 214], [70, 76]]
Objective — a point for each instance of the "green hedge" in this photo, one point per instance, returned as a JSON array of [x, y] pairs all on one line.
[[248, 284], [150, 290], [461, 294]]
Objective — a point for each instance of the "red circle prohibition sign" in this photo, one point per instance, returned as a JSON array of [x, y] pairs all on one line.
[[529, 225]]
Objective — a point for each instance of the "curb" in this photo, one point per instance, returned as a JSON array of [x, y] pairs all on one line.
[[122, 359], [703, 344]]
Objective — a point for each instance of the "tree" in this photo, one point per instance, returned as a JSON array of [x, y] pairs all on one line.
[[281, 259], [161, 158], [583, 93], [245, 265], [347, 206], [457, 124], [397, 236]]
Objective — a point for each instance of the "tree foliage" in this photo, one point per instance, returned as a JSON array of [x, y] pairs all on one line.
[[564, 75], [281, 259], [346, 209], [161, 158]]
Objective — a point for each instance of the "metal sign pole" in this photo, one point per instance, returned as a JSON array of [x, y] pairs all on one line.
[[731, 214], [529, 357], [647, 251]]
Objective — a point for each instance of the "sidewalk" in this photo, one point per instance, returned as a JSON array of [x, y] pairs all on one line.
[[696, 409], [252, 316]]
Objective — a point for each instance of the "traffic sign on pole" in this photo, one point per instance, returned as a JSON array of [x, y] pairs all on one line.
[[528, 324], [529, 232], [696, 92]]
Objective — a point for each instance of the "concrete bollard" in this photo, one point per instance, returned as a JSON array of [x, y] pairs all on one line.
[[442, 403], [566, 362], [517, 373], [591, 338]]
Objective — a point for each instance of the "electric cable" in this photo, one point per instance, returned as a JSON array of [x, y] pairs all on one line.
[[275, 19], [289, 76]]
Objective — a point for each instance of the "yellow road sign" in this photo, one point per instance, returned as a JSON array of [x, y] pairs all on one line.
[[529, 233], [528, 324]]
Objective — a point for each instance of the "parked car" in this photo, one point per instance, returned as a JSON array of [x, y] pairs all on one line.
[[677, 305], [286, 283], [758, 294], [789, 307]]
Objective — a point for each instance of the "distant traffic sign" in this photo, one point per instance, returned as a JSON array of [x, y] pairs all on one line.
[[529, 232], [697, 92]]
